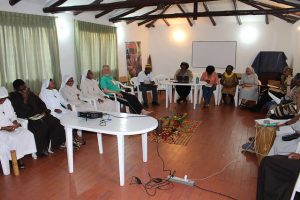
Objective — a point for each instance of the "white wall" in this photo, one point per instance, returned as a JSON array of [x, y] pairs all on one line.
[[167, 53]]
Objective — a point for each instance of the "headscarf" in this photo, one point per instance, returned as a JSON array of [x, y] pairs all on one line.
[[251, 69], [45, 84], [64, 81], [3, 92]]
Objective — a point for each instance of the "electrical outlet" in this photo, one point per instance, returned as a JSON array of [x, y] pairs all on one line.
[[181, 180]]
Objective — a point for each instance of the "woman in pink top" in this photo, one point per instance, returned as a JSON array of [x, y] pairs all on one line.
[[211, 79]]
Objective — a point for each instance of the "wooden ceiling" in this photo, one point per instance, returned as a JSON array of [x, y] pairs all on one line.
[[287, 10]]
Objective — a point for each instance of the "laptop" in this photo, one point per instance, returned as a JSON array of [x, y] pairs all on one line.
[[182, 79]]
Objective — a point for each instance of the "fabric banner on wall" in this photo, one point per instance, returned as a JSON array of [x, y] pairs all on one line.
[[133, 58]]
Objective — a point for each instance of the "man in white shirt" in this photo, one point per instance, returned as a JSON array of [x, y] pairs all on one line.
[[146, 83]]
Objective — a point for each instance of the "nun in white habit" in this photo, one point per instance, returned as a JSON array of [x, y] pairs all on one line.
[[90, 89], [53, 100], [12, 135], [72, 95]]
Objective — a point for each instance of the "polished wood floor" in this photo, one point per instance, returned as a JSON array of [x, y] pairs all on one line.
[[216, 143]]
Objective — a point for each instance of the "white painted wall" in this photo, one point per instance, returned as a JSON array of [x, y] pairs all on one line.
[[166, 53]]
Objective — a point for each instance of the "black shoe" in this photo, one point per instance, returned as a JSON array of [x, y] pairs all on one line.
[[154, 103], [179, 100], [21, 164], [145, 105]]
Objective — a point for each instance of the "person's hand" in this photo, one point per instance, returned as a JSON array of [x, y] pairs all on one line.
[[8, 128], [58, 111], [69, 107], [100, 101], [208, 81], [16, 124], [119, 94], [294, 156]]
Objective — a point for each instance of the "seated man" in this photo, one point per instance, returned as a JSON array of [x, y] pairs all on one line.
[[12, 135], [277, 176], [90, 89], [146, 82], [40, 122], [110, 86]]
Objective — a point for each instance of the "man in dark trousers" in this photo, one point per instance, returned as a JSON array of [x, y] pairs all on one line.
[[41, 123]]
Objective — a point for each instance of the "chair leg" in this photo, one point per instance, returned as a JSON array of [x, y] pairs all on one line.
[[15, 162], [5, 165]]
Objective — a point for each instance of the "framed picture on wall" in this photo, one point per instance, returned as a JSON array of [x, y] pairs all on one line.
[[133, 58]]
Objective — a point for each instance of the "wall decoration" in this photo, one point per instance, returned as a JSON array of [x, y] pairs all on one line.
[[133, 58]]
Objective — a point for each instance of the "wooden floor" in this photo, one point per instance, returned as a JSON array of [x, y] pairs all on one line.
[[216, 143]]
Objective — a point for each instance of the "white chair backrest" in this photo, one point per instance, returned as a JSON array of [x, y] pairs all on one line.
[[134, 81]]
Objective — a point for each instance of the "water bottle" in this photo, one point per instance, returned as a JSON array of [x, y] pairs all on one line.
[[197, 80]]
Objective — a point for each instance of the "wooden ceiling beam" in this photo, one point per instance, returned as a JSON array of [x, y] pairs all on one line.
[[58, 3], [151, 24], [146, 14], [216, 13], [196, 9], [114, 19], [210, 17], [258, 6], [13, 2], [188, 19], [103, 13], [238, 19], [95, 2], [117, 5], [288, 3]]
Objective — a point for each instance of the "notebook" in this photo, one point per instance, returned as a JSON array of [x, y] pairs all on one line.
[[182, 79]]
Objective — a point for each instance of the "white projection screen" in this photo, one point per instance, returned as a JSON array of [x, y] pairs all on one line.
[[216, 53]]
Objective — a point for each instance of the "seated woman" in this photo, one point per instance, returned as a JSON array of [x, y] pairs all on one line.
[[249, 89], [53, 100], [211, 79], [229, 81], [109, 85], [12, 135], [183, 91], [277, 176], [72, 95], [90, 89]]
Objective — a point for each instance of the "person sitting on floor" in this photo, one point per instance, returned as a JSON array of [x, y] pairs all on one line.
[[145, 79], [249, 89], [90, 89], [211, 79], [53, 100], [109, 85], [72, 95], [40, 122], [277, 176], [12, 135], [182, 90], [229, 81]]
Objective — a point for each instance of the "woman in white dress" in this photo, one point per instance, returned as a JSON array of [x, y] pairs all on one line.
[[12, 135], [90, 89], [249, 83], [53, 100], [72, 95]]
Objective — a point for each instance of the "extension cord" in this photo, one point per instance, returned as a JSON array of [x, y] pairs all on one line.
[[184, 180]]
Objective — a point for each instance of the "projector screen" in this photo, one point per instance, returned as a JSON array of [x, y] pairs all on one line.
[[216, 53]]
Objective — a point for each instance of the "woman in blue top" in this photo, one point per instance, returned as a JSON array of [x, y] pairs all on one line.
[[109, 85]]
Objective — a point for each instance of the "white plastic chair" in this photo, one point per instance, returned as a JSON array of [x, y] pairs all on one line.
[[216, 94], [240, 100], [159, 79], [135, 83]]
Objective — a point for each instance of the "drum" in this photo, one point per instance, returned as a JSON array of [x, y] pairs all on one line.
[[264, 140]]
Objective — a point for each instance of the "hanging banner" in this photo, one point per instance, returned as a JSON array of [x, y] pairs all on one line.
[[133, 58]]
